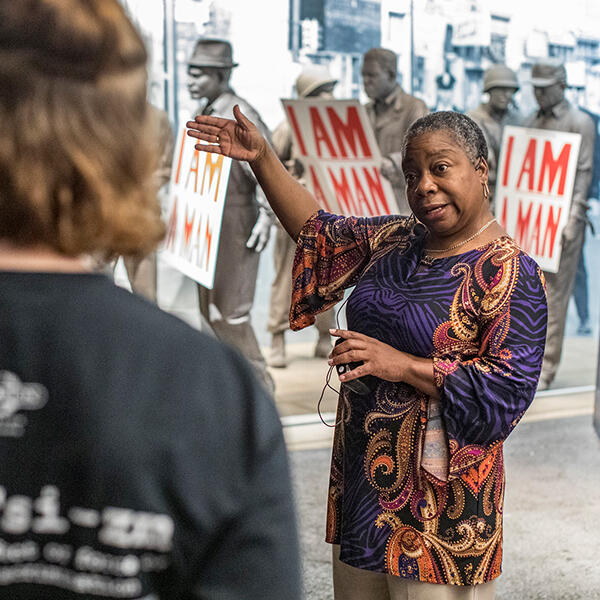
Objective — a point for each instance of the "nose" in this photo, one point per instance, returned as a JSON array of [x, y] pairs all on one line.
[[425, 185]]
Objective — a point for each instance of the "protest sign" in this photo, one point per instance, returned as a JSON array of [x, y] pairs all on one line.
[[195, 211], [534, 189], [337, 147]]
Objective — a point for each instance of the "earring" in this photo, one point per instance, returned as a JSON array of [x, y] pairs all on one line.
[[486, 191]]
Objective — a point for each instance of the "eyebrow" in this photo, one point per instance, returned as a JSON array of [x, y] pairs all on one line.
[[435, 154]]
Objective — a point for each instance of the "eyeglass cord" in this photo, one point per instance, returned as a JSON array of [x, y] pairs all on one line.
[[329, 372]]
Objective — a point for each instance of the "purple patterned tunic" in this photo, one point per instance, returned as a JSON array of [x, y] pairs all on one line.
[[481, 316]]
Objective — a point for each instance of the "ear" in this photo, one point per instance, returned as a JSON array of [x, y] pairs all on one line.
[[483, 170]]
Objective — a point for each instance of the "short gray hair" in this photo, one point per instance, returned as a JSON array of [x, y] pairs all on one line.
[[465, 132]]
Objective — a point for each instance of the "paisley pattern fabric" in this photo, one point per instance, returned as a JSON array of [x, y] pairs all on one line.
[[481, 317]]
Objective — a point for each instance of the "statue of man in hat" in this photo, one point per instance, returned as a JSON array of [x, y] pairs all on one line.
[[549, 82], [247, 218], [501, 84], [391, 112], [314, 81]]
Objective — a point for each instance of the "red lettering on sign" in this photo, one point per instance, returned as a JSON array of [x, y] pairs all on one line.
[[318, 190], [211, 167], [172, 227], [503, 214], [364, 205], [194, 169], [522, 227], [187, 225], [294, 122], [183, 138], [552, 166], [349, 131], [508, 154], [526, 240], [528, 165], [551, 229], [320, 133], [537, 230], [206, 246], [343, 193], [376, 190]]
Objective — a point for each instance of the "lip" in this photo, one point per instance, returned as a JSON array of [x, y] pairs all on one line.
[[435, 209]]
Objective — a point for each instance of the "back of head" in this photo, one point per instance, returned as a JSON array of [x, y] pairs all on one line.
[[76, 163], [499, 76], [385, 58], [312, 78], [465, 132]]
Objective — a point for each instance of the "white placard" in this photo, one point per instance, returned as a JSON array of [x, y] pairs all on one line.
[[195, 211], [534, 189], [337, 146]]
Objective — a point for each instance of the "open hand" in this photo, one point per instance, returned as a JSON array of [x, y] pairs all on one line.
[[378, 358], [239, 139]]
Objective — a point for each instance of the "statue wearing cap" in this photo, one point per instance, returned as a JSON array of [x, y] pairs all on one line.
[[314, 81], [247, 217], [557, 113], [500, 83]]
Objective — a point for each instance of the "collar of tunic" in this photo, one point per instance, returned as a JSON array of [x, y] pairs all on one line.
[[220, 104], [557, 111]]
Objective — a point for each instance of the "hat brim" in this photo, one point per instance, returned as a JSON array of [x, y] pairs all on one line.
[[543, 81], [311, 88], [503, 84], [214, 65]]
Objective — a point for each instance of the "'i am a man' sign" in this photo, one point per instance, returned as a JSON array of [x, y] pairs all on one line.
[[196, 201], [337, 147], [534, 189]]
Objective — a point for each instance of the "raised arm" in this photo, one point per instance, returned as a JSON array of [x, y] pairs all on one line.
[[240, 139]]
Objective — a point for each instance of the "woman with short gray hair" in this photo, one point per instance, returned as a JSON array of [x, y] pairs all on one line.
[[441, 358]]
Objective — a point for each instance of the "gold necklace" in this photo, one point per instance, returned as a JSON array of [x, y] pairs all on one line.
[[455, 246]]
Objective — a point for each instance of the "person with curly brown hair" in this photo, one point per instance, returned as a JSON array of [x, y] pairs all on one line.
[[140, 458]]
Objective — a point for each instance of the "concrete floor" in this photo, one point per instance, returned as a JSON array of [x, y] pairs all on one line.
[[552, 512]]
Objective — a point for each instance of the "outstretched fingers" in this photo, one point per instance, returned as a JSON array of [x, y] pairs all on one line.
[[210, 121], [206, 133]]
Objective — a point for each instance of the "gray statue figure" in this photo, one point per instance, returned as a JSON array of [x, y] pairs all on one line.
[[314, 81], [247, 219], [501, 84], [549, 82], [391, 112]]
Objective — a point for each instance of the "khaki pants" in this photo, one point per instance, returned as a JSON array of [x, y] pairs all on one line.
[[350, 583], [281, 288], [559, 287], [227, 306]]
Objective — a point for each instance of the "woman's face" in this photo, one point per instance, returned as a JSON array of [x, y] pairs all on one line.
[[444, 188]]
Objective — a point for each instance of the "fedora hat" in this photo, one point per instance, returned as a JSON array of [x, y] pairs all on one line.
[[212, 53]]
